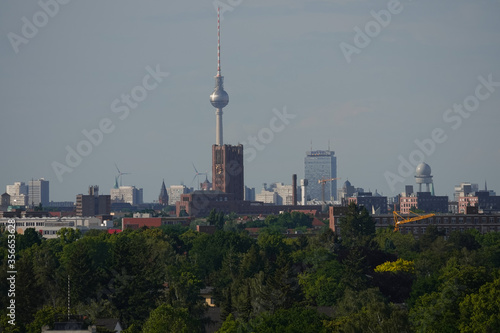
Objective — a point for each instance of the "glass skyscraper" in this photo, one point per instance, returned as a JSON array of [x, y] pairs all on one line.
[[321, 164]]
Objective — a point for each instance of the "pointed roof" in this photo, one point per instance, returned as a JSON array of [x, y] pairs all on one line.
[[163, 197], [163, 190]]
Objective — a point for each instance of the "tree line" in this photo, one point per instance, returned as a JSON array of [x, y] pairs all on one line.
[[365, 280]]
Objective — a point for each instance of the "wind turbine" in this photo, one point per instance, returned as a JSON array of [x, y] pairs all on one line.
[[197, 175], [120, 174]]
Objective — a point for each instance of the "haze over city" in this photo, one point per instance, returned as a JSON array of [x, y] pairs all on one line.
[[278, 57]]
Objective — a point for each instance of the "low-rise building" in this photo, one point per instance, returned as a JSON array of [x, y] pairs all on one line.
[[49, 226], [423, 201], [483, 200], [445, 222], [152, 222]]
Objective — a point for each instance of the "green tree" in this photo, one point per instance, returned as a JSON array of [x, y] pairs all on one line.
[[139, 262], [295, 319], [356, 226], [166, 318], [68, 235], [216, 218], [466, 239], [480, 312], [28, 239], [45, 317], [230, 325], [359, 311], [322, 284], [439, 311]]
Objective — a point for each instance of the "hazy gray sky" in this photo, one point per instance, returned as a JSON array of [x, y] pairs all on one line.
[[70, 73]]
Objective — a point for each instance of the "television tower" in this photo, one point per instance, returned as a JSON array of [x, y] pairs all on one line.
[[219, 97]]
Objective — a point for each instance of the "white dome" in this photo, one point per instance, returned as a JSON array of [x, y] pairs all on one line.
[[423, 170]]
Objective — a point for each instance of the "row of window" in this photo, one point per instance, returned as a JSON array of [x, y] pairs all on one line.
[[447, 220], [447, 231]]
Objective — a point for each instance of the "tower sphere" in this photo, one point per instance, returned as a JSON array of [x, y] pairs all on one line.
[[423, 170], [219, 98]]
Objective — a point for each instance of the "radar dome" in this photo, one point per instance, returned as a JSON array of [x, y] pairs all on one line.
[[423, 170]]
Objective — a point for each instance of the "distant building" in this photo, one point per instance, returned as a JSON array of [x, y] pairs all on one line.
[[321, 164], [285, 193], [4, 201], [464, 189], [267, 196], [174, 193], [111, 324], [206, 185], [127, 194], [200, 203], [62, 205], [93, 204], [424, 201], [38, 192], [152, 222], [163, 197], [276, 194], [249, 193], [447, 223], [49, 226], [373, 203], [18, 194], [227, 170], [347, 191], [483, 200]]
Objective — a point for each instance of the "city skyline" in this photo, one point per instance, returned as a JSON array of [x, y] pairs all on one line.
[[377, 106]]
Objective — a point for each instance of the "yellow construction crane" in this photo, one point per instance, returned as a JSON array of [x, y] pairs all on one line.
[[323, 182], [398, 219]]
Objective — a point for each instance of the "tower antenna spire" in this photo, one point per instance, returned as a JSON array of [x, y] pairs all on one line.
[[218, 41]]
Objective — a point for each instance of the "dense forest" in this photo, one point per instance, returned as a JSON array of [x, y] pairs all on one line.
[[365, 281]]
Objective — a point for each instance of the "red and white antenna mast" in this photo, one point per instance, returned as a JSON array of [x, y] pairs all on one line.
[[218, 41]]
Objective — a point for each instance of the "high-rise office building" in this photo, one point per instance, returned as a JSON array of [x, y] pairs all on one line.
[[321, 164], [38, 192]]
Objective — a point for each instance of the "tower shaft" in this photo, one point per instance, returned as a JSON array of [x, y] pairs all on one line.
[[218, 127]]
